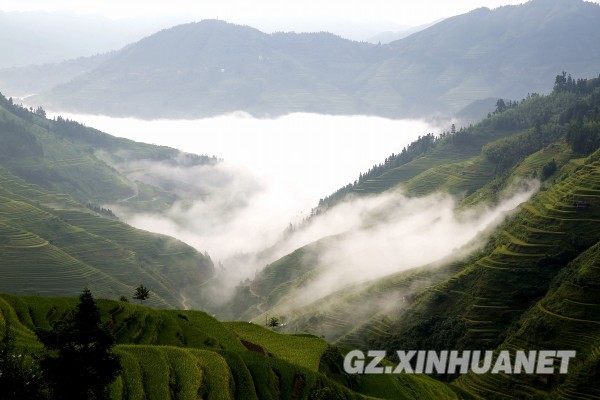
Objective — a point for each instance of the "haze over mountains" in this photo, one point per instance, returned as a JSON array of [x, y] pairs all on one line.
[[212, 67], [481, 237], [38, 37]]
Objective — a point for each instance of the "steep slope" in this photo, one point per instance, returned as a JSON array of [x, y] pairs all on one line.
[[186, 354], [478, 165], [55, 238], [52, 245], [212, 67], [463, 161], [68, 157], [567, 317], [532, 286]]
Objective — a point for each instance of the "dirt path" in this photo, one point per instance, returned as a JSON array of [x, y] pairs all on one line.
[[136, 192]]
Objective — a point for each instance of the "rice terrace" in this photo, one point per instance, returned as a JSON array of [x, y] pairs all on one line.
[[300, 201]]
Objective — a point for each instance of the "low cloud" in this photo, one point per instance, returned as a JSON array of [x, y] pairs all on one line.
[[274, 172], [391, 233]]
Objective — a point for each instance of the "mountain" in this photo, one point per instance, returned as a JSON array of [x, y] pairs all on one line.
[[26, 80], [532, 284], [55, 235], [391, 36], [211, 67]]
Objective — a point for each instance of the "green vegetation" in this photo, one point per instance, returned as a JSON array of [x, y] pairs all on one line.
[[78, 362], [52, 244], [188, 354], [141, 293], [299, 350], [532, 286]]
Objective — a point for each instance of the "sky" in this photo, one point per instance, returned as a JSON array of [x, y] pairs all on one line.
[[270, 15]]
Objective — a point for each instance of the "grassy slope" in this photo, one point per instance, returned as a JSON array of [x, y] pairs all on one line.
[[91, 166], [477, 303], [454, 164], [483, 305], [566, 318], [52, 245], [188, 354]]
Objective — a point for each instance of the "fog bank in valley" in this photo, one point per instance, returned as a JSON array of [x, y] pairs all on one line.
[[274, 171], [390, 233]]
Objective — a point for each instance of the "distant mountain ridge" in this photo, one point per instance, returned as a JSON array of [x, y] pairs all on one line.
[[212, 67]]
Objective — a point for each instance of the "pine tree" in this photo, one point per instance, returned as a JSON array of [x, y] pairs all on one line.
[[78, 363]]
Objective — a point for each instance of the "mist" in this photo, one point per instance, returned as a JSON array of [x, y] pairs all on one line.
[[390, 233], [274, 171]]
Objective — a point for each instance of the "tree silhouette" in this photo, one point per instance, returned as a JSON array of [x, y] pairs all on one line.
[[78, 363], [141, 293], [500, 106]]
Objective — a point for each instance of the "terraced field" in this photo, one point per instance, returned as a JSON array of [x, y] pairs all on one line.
[[535, 235], [172, 354], [51, 245], [566, 318], [284, 347], [162, 372], [524, 291]]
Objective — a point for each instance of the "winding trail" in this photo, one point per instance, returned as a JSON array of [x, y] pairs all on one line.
[[185, 300], [136, 192]]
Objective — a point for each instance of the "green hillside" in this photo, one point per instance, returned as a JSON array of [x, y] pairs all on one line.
[[54, 236], [478, 164], [531, 287], [52, 245], [467, 160], [173, 354]]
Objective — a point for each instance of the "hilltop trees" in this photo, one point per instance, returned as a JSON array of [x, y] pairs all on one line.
[[78, 363]]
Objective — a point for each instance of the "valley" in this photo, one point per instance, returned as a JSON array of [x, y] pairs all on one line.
[[215, 212]]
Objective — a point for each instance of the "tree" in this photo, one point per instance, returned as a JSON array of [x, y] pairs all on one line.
[[20, 376], [40, 111], [560, 83], [79, 363], [273, 322], [500, 106], [141, 293]]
